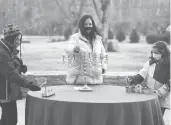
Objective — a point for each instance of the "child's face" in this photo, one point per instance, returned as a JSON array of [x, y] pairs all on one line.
[[156, 54]]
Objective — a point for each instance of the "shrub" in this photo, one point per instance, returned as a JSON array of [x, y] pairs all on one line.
[[120, 36], [161, 37], [134, 37], [165, 37], [151, 38], [113, 45], [110, 34], [67, 33]]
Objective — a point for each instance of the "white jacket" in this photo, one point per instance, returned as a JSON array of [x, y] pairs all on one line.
[[94, 73], [164, 95]]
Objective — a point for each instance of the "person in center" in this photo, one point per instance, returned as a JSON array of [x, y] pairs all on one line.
[[84, 45]]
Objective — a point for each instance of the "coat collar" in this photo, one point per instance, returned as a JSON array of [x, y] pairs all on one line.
[[4, 45], [84, 39]]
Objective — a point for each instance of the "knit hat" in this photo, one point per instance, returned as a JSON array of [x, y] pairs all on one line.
[[11, 30]]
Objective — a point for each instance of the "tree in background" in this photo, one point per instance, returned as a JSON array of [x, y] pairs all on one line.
[[134, 37], [53, 17], [120, 36]]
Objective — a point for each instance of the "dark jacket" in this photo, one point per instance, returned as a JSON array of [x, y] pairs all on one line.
[[17, 89], [10, 79]]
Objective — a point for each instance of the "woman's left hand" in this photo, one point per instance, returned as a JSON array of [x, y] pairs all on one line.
[[23, 69]]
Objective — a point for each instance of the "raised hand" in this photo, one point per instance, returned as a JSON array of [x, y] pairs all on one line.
[[76, 49]]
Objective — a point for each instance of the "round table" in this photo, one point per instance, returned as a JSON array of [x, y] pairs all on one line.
[[105, 105]]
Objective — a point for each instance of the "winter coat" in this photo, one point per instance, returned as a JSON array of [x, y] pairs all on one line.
[[10, 79], [147, 73], [94, 68]]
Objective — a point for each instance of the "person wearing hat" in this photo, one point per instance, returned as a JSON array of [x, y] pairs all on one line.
[[10, 78], [157, 73]]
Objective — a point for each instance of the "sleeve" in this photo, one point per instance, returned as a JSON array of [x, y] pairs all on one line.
[[144, 71], [8, 70], [71, 45], [136, 79], [163, 91], [104, 57]]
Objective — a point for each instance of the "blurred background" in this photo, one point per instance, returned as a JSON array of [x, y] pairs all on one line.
[[128, 28], [56, 17]]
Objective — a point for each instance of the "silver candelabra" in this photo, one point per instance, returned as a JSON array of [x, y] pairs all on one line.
[[84, 61]]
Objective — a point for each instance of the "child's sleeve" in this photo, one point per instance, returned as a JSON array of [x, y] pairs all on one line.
[[163, 91], [144, 71]]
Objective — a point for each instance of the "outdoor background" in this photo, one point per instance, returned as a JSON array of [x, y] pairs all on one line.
[[129, 29]]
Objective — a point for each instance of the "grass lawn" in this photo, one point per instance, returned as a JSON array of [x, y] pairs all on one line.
[[40, 55]]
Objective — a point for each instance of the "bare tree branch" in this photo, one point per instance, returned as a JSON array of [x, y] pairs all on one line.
[[81, 8], [62, 9], [97, 11], [71, 4], [3, 4], [82, 2]]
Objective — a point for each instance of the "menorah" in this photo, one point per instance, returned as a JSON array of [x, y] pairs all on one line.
[[84, 61], [47, 92]]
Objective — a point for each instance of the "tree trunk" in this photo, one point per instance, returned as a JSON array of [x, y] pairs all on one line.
[[97, 10], [105, 22], [82, 3]]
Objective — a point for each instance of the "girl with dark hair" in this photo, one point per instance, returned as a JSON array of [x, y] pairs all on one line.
[[86, 41], [157, 73], [88, 28]]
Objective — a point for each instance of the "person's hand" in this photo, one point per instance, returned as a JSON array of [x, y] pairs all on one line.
[[129, 79], [33, 87], [23, 69], [103, 71], [76, 49]]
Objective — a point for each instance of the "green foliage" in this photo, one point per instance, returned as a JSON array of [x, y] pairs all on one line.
[[67, 33], [152, 38], [165, 37], [110, 34], [120, 36], [113, 45], [49, 17], [134, 37]]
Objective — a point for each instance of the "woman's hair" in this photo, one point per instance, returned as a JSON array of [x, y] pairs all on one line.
[[82, 29], [164, 50]]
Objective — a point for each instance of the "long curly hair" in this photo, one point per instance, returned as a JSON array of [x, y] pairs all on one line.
[[82, 29]]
